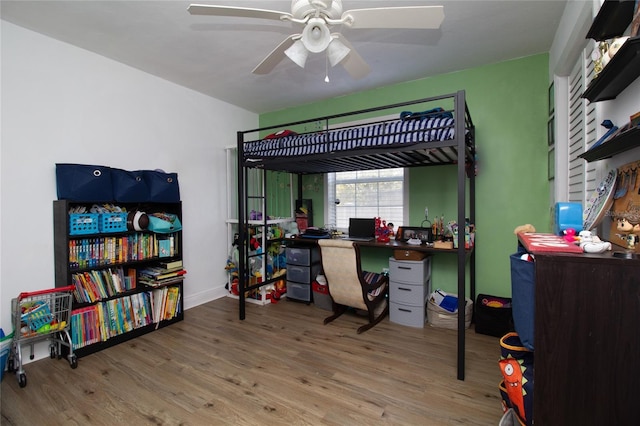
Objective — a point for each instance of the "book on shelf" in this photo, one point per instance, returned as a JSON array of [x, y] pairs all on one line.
[[173, 298], [94, 285], [100, 251], [164, 248], [172, 274], [110, 318], [161, 283], [158, 302], [171, 265], [165, 303], [157, 273], [170, 270]]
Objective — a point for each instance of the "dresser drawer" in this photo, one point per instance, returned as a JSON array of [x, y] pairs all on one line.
[[299, 291], [302, 274], [409, 294], [302, 256], [410, 271], [413, 316]]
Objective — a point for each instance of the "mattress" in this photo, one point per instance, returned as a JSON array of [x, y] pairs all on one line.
[[383, 134]]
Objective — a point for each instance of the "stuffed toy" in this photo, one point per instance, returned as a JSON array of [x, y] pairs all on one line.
[[524, 228], [280, 286], [383, 232]]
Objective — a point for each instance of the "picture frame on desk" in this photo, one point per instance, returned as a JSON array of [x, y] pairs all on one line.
[[405, 233]]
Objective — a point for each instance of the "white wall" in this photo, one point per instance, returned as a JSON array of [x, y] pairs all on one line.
[[64, 104]]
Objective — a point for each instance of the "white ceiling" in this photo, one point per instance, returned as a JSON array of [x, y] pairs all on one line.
[[215, 55]]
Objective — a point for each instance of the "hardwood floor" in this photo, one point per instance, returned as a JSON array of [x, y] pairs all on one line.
[[279, 366]]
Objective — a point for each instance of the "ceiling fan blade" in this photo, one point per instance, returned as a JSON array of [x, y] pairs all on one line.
[[353, 62], [275, 57], [241, 12], [419, 17]]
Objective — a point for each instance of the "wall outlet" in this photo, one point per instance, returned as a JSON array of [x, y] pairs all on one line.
[[426, 212]]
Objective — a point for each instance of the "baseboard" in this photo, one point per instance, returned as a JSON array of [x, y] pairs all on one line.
[[203, 297]]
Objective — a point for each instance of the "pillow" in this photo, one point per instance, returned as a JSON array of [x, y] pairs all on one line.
[[372, 278], [432, 113], [280, 134]]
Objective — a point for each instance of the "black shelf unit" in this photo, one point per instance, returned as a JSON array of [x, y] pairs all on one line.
[[619, 73], [625, 141], [613, 18], [121, 338], [64, 272], [623, 69]]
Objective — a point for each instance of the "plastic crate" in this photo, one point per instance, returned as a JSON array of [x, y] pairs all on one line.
[[112, 222], [37, 316], [321, 297], [83, 223]]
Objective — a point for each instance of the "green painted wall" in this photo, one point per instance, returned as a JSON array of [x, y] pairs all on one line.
[[508, 105]]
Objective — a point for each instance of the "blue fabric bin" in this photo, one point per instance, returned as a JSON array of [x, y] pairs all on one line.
[[523, 280]]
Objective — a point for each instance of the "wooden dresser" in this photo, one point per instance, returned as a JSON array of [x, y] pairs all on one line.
[[587, 340]]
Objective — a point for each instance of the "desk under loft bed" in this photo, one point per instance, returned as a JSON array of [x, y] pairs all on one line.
[[432, 131]]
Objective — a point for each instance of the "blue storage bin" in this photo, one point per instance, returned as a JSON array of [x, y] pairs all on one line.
[[163, 187], [83, 182], [567, 215], [129, 186], [523, 302], [84, 223], [112, 222]]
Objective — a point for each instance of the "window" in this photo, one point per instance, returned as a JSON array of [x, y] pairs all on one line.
[[365, 193]]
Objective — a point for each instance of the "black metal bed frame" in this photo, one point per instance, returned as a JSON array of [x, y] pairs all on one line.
[[459, 151]]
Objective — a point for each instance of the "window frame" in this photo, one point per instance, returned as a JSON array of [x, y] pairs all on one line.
[[330, 192], [329, 198]]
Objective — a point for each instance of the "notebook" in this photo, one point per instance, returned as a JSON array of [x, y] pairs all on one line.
[[361, 229]]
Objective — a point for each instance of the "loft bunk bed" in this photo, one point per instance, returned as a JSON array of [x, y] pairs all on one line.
[[431, 131]]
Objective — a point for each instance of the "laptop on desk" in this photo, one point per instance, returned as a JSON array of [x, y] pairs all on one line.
[[361, 229]]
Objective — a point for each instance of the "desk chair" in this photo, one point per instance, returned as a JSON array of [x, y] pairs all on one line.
[[349, 285]]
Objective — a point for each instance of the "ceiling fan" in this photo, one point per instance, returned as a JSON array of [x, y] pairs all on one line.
[[318, 17]]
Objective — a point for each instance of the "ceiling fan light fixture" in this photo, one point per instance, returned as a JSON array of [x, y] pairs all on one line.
[[298, 53], [336, 52], [317, 17], [316, 35]]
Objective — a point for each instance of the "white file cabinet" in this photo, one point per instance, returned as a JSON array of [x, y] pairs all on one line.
[[409, 290]]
